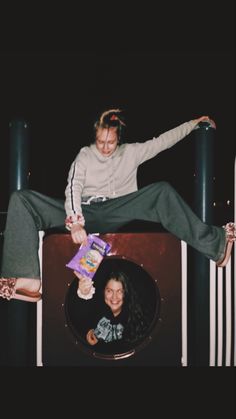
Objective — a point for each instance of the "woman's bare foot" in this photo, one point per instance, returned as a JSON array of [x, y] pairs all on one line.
[[29, 284], [25, 289], [230, 229]]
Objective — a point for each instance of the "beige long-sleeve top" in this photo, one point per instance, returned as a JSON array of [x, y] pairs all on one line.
[[92, 174]]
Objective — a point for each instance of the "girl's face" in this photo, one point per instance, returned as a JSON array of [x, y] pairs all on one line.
[[114, 296], [106, 140]]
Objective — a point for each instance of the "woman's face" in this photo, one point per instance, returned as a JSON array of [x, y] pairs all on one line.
[[114, 296], [106, 140]]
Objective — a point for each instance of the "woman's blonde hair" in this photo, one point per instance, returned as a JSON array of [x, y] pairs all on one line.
[[111, 118]]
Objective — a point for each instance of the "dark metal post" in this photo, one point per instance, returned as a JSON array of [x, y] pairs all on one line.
[[19, 155], [21, 315], [198, 296]]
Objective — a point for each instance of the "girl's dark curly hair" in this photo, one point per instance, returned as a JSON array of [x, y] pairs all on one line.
[[111, 118], [137, 322]]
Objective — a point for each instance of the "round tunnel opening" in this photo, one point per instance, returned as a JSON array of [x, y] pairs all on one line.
[[147, 294]]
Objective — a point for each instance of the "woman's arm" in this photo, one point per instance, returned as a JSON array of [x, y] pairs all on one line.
[[74, 217], [85, 287], [150, 148]]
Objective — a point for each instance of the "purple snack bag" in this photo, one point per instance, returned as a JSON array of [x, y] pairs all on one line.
[[88, 258]]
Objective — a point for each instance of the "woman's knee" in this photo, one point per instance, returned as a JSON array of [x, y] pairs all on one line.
[[164, 189], [19, 195], [163, 185], [15, 196]]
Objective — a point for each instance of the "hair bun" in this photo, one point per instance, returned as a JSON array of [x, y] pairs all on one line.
[[113, 117]]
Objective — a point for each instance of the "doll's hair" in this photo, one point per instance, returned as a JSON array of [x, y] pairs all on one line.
[[109, 119]]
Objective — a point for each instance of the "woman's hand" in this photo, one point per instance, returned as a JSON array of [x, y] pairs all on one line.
[[78, 234], [85, 284], [204, 118], [91, 338]]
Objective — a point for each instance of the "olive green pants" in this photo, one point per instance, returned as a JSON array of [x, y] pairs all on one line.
[[30, 211]]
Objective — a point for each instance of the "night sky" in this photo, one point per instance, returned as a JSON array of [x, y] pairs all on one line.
[[159, 81]]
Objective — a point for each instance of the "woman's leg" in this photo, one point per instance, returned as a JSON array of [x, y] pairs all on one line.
[[28, 212], [161, 203]]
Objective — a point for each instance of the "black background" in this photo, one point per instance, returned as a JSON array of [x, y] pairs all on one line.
[[163, 65]]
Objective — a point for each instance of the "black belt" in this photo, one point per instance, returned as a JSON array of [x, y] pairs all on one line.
[[86, 200]]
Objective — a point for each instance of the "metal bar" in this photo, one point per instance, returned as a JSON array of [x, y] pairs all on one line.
[[19, 154], [184, 359], [39, 309], [234, 278], [199, 264], [220, 318], [234, 314], [212, 346], [228, 315], [20, 314]]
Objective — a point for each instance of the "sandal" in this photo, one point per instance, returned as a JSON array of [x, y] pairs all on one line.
[[230, 229], [8, 290]]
